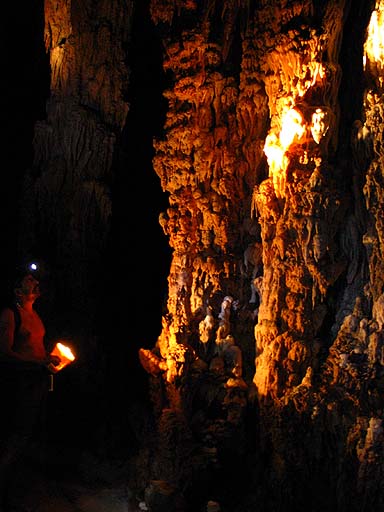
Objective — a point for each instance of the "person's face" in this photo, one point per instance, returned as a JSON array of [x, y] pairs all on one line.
[[29, 287]]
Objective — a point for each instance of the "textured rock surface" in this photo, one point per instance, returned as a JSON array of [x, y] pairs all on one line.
[[267, 377], [284, 251], [68, 191]]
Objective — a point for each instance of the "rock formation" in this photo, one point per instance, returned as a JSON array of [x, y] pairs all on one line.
[[275, 228], [267, 377]]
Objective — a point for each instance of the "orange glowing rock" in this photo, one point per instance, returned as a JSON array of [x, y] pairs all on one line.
[[293, 128], [276, 147], [374, 45], [320, 124]]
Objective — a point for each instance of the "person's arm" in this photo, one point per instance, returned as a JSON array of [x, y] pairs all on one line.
[[7, 329]]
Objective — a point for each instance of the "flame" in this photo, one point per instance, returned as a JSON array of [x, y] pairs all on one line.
[[65, 351], [65, 354]]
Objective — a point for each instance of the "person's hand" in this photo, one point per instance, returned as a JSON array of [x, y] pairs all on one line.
[[55, 360]]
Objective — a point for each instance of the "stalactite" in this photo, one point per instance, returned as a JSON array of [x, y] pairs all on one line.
[[295, 271]]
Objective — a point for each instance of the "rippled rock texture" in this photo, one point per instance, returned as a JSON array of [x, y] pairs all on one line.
[[268, 370], [267, 377]]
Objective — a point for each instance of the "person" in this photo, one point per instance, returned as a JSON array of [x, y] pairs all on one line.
[[24, 375]]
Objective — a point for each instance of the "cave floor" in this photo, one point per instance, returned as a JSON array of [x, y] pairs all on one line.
[[41, 488]]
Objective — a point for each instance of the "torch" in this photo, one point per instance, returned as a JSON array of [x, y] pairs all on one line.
[[64, 353]]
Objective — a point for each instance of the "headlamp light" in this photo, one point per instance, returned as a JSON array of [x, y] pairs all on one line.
[[33, 266]]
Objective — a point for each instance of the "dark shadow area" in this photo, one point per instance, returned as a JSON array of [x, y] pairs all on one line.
[[25, 90], [133, 286], [352, 82], [139, 254], [139, 247]]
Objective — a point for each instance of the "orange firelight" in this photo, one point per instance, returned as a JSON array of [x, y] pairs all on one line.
[[276, 147], [65, 354], [374, 45], [292, 128]]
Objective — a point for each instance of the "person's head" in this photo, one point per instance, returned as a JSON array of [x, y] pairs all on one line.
[[27, 288], [26, 282]]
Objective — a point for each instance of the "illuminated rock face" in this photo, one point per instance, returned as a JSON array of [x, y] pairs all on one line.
[[273, 166], [267, 378]]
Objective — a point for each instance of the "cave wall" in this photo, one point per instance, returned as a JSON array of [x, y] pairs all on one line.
[[266, 378], [68, 188]]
